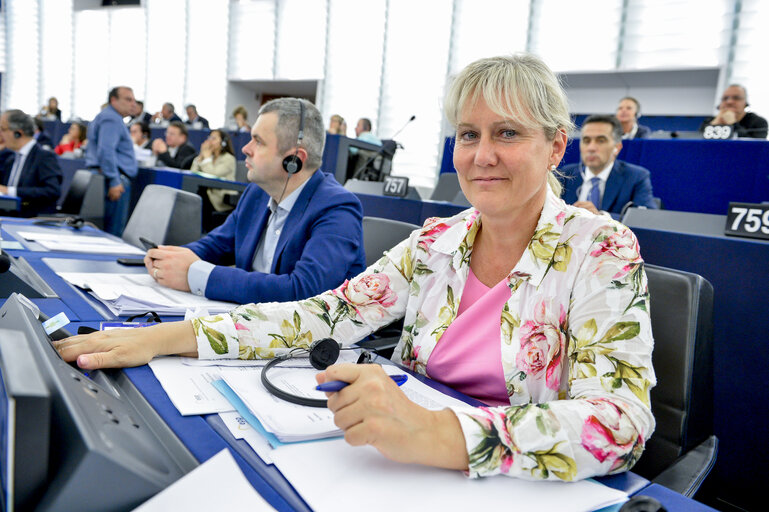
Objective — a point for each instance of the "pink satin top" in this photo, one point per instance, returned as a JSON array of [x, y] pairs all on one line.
[[468, 357]]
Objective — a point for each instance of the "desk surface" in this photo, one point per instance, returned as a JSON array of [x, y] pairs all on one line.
[[200, 434]]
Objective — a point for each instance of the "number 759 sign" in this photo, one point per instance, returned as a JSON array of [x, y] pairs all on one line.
[[746, 219]]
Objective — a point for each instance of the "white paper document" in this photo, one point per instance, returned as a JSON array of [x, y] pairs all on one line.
[[315, 468], [131, 294], [217, 484], [240, 429], [56, 241], [189, 387], [292, 423]]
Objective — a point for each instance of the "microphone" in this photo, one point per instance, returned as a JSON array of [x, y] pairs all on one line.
[[388, 148], [404, 126], [5, 262]]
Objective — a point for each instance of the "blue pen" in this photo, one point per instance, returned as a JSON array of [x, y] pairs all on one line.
[[333, 386]]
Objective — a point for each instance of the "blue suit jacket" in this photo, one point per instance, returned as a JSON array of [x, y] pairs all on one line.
[[320, 246], [627, 182], [39, 186], [642, 132]]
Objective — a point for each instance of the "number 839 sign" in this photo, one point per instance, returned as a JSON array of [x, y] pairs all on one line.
[[746, 219]]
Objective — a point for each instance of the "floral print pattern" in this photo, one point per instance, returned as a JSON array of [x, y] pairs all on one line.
[[575, 337]]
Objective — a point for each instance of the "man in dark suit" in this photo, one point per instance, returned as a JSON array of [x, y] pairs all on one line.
[[166, 116], [33, 174], [295, 233], [176, 151], [194, 120], [601, 182]]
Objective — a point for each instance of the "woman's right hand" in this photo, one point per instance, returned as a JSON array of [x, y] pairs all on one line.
[[119, 348]]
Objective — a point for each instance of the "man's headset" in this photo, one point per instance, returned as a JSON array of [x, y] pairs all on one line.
[[323, 353], [71, 222], [292, 163]]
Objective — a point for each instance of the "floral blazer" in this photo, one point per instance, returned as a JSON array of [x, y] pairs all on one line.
[[576, 338]]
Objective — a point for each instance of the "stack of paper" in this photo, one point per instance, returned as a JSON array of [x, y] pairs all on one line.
[[315, 468], [56, 241], [132, 294]]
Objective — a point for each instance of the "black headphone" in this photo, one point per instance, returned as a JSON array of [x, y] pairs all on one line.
[[323, 353], [71, 222], [292, 163], [16, 134]]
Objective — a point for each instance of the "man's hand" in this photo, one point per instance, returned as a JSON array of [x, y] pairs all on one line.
[[159, 146], [587, 205], [3, 189], [168, 265], [115, 192], [725, 117]]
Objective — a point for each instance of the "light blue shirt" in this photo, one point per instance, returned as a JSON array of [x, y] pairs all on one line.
[[366, 137], [110, 147], [197, 274]]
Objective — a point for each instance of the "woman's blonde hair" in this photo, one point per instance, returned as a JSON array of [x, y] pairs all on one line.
[[519, 87]]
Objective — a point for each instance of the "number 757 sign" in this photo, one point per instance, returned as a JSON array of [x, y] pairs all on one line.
[[746, 219]]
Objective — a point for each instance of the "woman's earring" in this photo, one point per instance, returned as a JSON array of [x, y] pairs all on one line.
[[552, 168]]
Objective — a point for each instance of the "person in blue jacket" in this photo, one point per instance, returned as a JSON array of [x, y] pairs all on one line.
[[601, 182], [295, 232]]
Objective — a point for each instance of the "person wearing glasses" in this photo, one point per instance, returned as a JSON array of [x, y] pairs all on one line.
[[731, 111]]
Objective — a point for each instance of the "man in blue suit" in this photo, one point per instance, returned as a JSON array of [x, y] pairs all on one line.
[[601, 182], [295, 231], [30, 173]]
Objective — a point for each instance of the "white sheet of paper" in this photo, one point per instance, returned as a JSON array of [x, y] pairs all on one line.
[[127, 294], [290, 422], [217, 484], [54, 241], [314, 468], [189, 387], [240, 429]]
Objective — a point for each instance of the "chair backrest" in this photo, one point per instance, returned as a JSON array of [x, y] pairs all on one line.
[[380, 235], [375, 188], [85, 196], [447, 187], [165, 215], [679, 222], [682, 400], [241, 171]]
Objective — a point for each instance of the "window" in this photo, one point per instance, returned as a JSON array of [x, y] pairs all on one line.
[[353, 64]]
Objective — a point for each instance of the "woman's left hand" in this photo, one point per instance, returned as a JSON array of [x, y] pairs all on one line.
[[373, 410]]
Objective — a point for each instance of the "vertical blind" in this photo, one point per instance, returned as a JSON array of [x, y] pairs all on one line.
[[353, 61], [748, 68], [252, 39], [206, 58], [56, 53], [301, 39], [676, 33], [575, 36], [414, 74]]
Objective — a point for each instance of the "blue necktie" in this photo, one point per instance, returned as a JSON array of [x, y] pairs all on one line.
[[595, 193]]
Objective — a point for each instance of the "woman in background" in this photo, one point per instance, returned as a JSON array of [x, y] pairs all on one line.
[[73, 140], [216, 157], [240, 114]]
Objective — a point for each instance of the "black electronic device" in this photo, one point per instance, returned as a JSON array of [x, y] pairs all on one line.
[[108, 448], [131, 262], [19, 276], [323, 353], [148, 244]]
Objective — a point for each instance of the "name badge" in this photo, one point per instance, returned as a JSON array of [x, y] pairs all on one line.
[[718, 132], [396, 186], [748, 220]]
